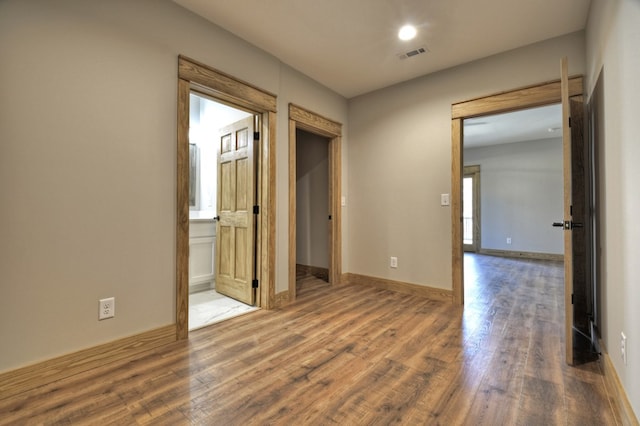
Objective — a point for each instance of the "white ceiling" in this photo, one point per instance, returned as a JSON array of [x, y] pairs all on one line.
[[519, 126], [351, 46]]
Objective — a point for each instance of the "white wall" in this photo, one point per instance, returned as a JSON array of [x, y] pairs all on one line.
[[613, 37], [206, 118], [400, 159], [88, 165], [312, 199], [520, 195]]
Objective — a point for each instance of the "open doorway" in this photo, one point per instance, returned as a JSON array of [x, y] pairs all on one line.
[[317, 128], [575, 160], [520, 155], [195, 76], [208, 120], [312, 206], [477, 109]]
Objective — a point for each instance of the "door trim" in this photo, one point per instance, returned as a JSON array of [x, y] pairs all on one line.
[[527, 97], [300, 118], [193, 75], [474, 173]]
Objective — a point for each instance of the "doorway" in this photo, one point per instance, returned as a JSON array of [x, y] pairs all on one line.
[[312, 205], [569, 92], [316, 126], [218, 86], [471, 208], [543, 94], [209, 122]]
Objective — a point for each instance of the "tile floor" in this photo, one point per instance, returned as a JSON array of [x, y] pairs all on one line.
[[207, 307]]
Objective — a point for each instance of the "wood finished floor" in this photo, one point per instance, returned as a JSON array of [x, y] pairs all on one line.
[[350, 356]]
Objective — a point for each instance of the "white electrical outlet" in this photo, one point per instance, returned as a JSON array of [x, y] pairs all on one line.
[[107, 308], [394, 262], [623, 347], [508, 240]]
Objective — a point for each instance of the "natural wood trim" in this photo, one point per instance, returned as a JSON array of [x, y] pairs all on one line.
[[335, 186], [522, 254], [400, 287], [314, 123], [527, 97], [300, 118], [268, 216], [182, 222], [292, 208], [456, 212], [194, 76], [282, 299], [618, 395], [538, 95], [225, 87], [30, 377]]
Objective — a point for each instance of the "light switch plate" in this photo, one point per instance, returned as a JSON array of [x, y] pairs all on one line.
[[444, 199]]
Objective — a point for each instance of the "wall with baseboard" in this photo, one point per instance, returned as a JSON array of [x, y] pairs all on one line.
[[520, 195], [400, 159], [88, 163], [613, 37]]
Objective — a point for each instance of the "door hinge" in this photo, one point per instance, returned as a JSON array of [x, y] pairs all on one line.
[[572, 299], [256, 136], [256, 209], [254, 284], [329, 217], [569, 121]]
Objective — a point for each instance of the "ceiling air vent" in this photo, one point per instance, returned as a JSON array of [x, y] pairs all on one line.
[[414, 52]]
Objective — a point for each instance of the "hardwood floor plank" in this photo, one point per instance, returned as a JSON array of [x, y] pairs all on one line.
[[537, 403], [353, 355]]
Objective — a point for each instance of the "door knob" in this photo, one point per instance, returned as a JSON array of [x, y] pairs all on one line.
[[568, 224], [217, 218]]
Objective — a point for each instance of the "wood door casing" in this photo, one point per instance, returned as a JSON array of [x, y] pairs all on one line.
[[235, 243], [222, 87], [300, 118]]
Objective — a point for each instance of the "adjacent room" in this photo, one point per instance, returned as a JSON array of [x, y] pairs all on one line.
[[207, 122]]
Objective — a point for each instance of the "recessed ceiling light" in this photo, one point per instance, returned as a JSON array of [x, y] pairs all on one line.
[[407, 32]]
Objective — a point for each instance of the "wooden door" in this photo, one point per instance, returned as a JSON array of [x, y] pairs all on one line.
[[581, 230], [568, 220], [235, 242]]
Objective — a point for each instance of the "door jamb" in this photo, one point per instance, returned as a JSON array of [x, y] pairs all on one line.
[[193, 75], [527, 97], [300, 118]]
